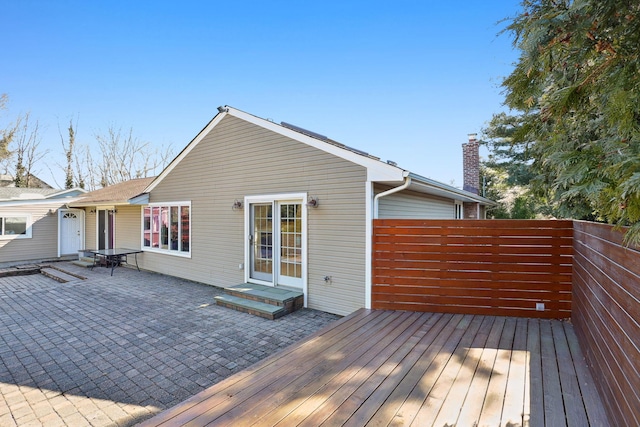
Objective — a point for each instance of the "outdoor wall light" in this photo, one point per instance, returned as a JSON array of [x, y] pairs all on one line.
[[237, 204], [51, 212], [92, 211], [312, 202], [223, 109]]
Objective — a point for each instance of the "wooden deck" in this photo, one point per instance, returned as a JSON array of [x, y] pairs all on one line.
[[379, 367]]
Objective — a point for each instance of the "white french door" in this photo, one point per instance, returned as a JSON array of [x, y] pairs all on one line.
[[261, 242], [289, 243], [276, 238]]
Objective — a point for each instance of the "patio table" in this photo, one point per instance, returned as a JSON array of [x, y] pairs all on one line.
[[114, 257]]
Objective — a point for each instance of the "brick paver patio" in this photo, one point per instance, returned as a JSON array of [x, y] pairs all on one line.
[[117, 350]]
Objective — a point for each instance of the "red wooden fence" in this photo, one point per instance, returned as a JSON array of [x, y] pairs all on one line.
[[606, 316], [495, 267]]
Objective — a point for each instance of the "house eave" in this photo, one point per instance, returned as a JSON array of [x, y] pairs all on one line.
[[427, 185], [100, 203], [140, 199], [56, 201]]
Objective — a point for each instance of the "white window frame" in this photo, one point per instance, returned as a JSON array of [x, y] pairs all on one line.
[[28, 220], [458, 209], [182, 254]]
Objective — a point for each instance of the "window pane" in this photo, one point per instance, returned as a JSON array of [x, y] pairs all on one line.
[[146, 227], [15, 225], [173, 231], [1, 226], [164, 227], [155, 227], [184, 228]]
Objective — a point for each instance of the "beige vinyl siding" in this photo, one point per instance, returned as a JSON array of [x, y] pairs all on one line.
[[414, 205], [128, 226], [128, 223], [90, 231], [239, 159], [43, 243]]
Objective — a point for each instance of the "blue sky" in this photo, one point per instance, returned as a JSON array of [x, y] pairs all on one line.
[[403, 80]]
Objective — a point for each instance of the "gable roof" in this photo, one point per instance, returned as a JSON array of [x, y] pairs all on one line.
[[8, 180], [377, 170], [117, 194]]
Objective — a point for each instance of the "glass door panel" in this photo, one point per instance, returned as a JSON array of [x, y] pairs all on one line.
[[290, 242], [106, 229], [262, 242]]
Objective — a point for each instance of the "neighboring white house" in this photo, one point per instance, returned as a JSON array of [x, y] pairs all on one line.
[[37, 224]]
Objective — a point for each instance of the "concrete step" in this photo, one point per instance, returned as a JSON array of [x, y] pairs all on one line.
[[83, 262], [59, 275], [265, 301], [291, 300], [257, 308]]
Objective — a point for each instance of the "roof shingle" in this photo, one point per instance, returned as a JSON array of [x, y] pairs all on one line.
[[115, 194]]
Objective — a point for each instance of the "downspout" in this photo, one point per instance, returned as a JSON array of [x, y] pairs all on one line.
[[377, 197]]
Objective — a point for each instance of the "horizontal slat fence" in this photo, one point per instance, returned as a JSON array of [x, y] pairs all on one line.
[[606, 316], [495, 267]]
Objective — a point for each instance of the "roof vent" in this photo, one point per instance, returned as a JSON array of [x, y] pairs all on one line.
[[304, 131], [392, 163]]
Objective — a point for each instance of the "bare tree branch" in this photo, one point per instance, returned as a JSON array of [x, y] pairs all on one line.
[[124, 156], [27, 151]]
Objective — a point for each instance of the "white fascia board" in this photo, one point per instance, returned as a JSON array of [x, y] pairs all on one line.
[[218, 117], [376, 170], [110, 203], [61, 202]]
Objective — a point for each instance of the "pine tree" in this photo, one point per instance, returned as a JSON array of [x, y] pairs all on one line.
[[576, 87]]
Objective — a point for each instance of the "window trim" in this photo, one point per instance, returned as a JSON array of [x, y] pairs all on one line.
[[182, 254], [458, 209], [29, 223]]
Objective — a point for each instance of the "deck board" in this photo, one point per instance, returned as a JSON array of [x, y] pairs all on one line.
[[282, 386], [534, 387], [494, 399], [472, 406], [594, 407], [512, 409], [327, 397], [383, 368], [554, 414], [568, 379]]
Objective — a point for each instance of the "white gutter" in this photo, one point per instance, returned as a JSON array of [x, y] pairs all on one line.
[[407, 183]]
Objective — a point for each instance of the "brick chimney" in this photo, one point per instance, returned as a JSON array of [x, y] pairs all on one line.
[[471, 165]]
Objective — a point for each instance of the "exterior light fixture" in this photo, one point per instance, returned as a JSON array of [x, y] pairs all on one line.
[[312, 202], [222, 109], [237, 204]]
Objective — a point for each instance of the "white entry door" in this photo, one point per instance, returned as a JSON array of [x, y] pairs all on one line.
[[71, 226], [276, 236]]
